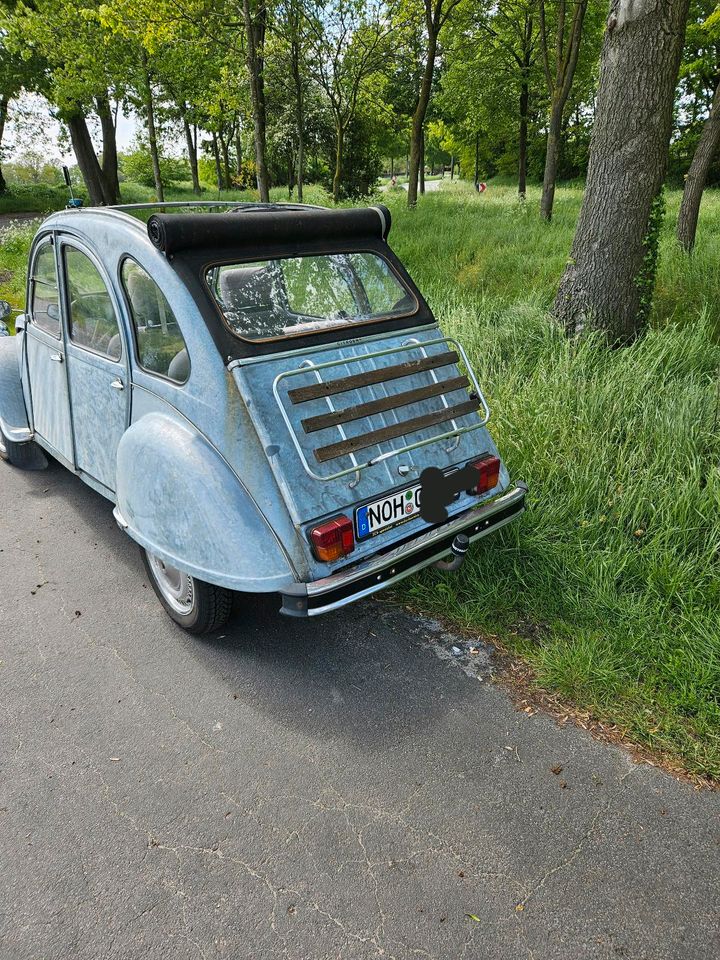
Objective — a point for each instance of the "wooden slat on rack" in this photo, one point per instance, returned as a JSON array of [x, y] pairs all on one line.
[[384, 403], [379, 375], [396, 430]]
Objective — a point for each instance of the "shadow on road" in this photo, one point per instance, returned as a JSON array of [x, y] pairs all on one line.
[[352, 675]]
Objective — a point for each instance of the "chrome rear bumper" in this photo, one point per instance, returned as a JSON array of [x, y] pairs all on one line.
[[382, 570]]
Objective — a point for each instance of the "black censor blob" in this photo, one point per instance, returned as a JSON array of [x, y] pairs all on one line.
[[438, 490]]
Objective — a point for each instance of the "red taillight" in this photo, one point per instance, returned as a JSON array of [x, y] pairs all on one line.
[[488, 474], [332, 539]]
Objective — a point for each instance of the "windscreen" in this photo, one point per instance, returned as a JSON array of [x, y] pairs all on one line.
[[271, 299]]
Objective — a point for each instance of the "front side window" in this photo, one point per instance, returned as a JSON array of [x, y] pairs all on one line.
[[92, 321], [45, 300], [270, 299], [160, 345]]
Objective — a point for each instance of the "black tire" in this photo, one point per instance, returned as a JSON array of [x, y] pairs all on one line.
[[209, 606], [24, 456]]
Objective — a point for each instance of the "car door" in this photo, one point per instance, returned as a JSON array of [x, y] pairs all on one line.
[[45, 356], [96, 363]]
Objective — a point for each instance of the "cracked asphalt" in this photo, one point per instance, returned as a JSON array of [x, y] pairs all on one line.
[[344, 788]]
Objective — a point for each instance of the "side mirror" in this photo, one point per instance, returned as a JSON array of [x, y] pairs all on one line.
[[53, 311], [66, 176], [5, 309]]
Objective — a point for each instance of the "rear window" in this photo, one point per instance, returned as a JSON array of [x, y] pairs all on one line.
[[271, 299]]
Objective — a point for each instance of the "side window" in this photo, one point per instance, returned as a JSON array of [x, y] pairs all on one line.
[[160, 345], [45, 306], [93, 324]]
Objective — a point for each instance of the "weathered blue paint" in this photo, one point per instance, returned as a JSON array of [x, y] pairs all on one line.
[[204, 474], [182, 501], [13, 414]]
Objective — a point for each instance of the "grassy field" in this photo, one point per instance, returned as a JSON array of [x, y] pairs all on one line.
[[609, 586]]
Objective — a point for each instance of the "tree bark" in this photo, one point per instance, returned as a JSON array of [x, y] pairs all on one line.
[[418, 120], [421, 178], [111, 181], [525, 63], [191, 142], [339, 145], [152, 130], [607, 283], [560, 83], [299, 116], [552, 153], [86, 159], [523, 140], [255, 13], [225, 151], [238, 151], [218, 166], [697, 175], [4, 102]]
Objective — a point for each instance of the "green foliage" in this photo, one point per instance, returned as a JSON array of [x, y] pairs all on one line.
[[651, 244], [137, 165], [362, 165], [246, 179]]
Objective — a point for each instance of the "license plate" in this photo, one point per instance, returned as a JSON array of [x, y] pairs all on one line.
[[373, 518]]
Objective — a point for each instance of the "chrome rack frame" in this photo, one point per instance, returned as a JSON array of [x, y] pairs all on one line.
[[309, 366]]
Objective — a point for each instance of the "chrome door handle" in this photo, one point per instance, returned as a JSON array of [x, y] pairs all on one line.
[[56, 357], [117, 384]]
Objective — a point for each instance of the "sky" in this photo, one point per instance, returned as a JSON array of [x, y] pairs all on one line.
[[43, 132]]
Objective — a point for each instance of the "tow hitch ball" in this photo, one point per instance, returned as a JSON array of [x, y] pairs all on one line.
[[459, 548]]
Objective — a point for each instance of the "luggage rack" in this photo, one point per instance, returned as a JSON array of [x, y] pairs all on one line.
[[350, 446]]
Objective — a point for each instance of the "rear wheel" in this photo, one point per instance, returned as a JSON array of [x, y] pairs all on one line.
[[25, 456], [196, 606]]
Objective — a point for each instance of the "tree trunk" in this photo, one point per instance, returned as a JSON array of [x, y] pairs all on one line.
[[299, 117], [111, 182], [523, 140], [86, 159], [477, 159], [238, 151], [421, 178], [697, 175], [339, 143], [225, 149], [218, 167], [4, 101], [152, 131], [552, 154], [608, 281], [255, 14], [191, 142], [418, 120], [452, 167]]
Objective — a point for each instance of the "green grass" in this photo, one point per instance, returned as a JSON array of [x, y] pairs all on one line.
[[618, 556], [617, 560]]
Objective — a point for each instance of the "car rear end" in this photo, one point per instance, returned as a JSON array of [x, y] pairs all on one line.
[[357, 398], [349, 432]]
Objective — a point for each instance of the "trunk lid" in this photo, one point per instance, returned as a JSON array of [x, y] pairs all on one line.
[[331, 420]]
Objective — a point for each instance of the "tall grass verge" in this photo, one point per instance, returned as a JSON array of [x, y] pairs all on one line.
[[617, 560]]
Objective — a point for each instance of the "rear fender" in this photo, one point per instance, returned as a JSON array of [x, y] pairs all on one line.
[[13, 413], [178, 498]]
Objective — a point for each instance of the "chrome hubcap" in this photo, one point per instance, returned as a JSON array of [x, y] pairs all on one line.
[[176, 587]]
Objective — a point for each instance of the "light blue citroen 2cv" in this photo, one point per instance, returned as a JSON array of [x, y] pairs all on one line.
[[263, 394]]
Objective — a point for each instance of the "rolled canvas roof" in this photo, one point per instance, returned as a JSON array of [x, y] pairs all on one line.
[[258, 226]]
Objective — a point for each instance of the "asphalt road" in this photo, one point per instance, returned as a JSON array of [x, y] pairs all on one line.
[[345, 788]]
